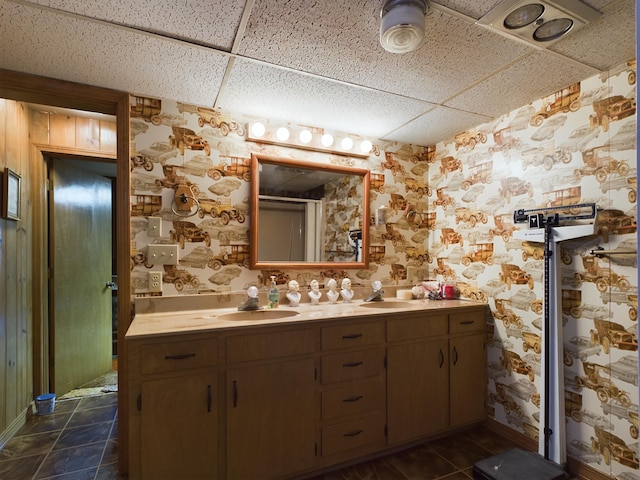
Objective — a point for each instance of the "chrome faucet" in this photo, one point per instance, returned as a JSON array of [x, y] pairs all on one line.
[[377, 292], [252, 300]]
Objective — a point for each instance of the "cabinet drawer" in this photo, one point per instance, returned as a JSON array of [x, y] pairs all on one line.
[[353, 433], [417, 326], [468, 322], [341, 367], [258, 346], [175, 356], [354, 335], [354, 399]]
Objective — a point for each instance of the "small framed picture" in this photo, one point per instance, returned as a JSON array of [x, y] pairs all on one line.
[[11, 194]]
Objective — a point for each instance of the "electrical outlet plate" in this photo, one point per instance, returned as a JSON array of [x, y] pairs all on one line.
[[154, 227], [155, 282], [162, 254]]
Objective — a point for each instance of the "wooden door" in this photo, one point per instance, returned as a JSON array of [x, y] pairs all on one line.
[[271, 420], [468, 379], [417, 390], [179, 428], [80, 266]]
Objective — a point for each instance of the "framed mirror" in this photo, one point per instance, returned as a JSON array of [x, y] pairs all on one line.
[[308, 215]]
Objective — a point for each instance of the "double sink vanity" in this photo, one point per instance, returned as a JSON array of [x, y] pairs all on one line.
[[290, 392]]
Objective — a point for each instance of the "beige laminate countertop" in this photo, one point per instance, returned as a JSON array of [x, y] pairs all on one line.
[[156, 321]]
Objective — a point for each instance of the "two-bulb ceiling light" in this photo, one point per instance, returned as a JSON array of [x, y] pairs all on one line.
[[402, 25], [310, 138], [541, 23]]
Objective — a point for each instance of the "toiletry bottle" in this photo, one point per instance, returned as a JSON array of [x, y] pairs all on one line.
[[273, 295]]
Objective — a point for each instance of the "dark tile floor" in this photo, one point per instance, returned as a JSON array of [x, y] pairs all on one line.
[[449, 458], [79, 441]]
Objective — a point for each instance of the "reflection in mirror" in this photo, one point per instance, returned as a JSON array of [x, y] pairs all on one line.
[[305, 214]]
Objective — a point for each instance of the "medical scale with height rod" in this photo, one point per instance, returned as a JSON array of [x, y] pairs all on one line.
[[550, 226]]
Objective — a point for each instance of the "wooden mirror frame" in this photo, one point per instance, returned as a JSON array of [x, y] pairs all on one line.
[[256, 159]]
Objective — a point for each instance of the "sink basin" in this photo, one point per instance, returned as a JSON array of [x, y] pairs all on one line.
[[385, 304], [257, 315]]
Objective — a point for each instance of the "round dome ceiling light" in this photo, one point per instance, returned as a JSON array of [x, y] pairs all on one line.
[[523, 16], [402, 25], [327, 140], [282, 134], [552, 29], [347, 143], [258, 129], [305, 136]]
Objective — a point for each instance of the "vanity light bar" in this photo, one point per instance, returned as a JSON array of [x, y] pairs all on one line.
[[308, 138]]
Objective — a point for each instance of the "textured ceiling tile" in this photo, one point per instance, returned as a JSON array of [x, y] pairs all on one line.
[[107, 57], [265, 92], [436, 125], [209, 23], [341, 40], [612, 32], [514, 87], [471, 8]]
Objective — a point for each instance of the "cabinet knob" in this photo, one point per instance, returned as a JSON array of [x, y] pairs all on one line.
[[353, 434]]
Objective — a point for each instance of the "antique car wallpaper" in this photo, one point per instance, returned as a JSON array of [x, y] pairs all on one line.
[[449, 216]]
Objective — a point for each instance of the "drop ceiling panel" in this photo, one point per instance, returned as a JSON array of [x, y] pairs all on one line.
[[529, 79], [471, 8], [268, 92], [436, 125], [100, 55], [208, 23], [611, 33], [337, 75], [340, 40]]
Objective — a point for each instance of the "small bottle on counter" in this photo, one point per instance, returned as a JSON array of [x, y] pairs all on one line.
[[273, 297]]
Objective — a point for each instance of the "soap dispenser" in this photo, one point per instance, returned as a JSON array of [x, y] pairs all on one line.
[[273, 295]]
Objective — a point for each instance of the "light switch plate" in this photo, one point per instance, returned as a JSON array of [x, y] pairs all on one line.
[[162, 254], [154, 227], [155, 282]]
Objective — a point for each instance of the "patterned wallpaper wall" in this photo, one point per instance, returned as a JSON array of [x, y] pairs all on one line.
[[449, 210]]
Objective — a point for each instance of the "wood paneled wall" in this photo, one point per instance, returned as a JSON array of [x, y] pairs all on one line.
[[20, 130], [16, 237]]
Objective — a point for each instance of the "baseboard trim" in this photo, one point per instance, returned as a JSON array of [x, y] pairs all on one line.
[[576, 469], [15, 426]]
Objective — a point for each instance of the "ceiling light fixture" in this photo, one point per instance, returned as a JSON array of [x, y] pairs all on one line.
[[309, 138], [282, 134], [258, 129], [327, 140], [540, 23], [402, 25], [305, 136], [346, 143]]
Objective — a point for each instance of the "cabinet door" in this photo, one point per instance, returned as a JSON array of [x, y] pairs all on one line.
[[417, 390], [271, 419], [179, 424], [468, 379]]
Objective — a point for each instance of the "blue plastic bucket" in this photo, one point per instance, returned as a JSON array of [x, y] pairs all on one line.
[[45, 403]]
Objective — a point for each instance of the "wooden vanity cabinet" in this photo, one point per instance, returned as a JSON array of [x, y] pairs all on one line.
[[468, 367], [436, 373], [353, 406], [417, 376], [283, 401], [174, 405], [179, 427], [271, 404]]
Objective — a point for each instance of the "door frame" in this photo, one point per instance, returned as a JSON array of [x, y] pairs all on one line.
[[59, 93]]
